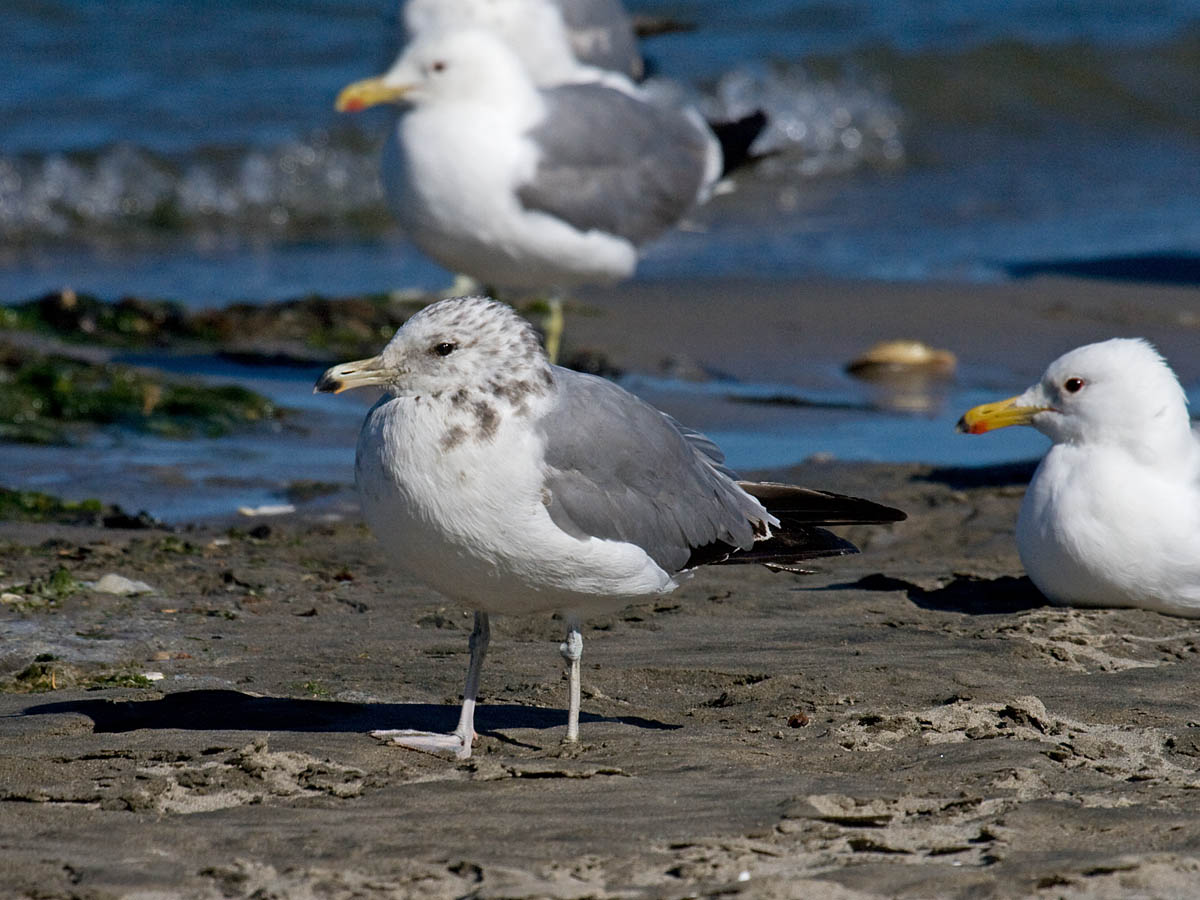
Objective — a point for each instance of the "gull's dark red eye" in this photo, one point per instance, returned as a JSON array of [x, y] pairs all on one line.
[[1073, 385], [438, 66], [445, 348]]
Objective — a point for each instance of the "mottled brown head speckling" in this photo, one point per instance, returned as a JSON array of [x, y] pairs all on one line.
[[472, 354]]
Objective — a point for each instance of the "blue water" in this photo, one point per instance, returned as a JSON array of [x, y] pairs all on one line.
[[190, 150], [147, 145], [181, 481]]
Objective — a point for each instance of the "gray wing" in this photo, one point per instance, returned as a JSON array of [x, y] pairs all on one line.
[[602, 35], [617, 468], [612, 162]]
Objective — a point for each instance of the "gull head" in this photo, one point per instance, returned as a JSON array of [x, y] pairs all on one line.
[[534, 29], [463, 344], [444, 66], [503, 17], [1119, 391]]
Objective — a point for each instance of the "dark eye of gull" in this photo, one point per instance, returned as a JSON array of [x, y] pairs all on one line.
[[445, 348], [438, 66], [1073, 385]]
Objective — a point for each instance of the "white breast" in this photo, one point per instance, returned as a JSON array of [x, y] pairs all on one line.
[[451, 174], [1098, 529]]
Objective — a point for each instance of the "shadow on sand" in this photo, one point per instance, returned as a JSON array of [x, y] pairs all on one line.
[[962, 478], [225, 710], [969, 594]]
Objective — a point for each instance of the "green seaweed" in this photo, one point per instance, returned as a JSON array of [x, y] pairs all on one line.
[[48, 673], [33, 506], [306, 329], [116, 680], [36, 678], [42, 593], [60, 584], [314, 689], [47, 398], [129, 322]]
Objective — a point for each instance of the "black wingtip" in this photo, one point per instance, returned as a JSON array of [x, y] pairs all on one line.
[[787, 548], [736, 138], [806, 506]]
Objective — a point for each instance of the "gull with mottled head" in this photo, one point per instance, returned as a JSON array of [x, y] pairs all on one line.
[[515, 486], [1112, 515]]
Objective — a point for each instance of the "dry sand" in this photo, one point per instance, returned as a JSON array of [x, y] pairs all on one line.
[[912, 721]]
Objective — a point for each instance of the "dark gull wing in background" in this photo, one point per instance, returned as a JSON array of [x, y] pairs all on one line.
[[617, 468], [601, 34], [614, 163]]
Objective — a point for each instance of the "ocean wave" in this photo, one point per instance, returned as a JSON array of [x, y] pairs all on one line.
[[326, 184], [1032, 86], [815, 127], [867, 110], [314, 184]]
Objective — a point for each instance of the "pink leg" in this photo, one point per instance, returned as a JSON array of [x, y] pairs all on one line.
[[458, 741]]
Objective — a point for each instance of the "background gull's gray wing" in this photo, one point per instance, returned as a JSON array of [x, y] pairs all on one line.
[[601, 34], [619, 469], [612, 162]]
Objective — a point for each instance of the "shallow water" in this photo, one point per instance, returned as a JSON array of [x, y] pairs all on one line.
[[761, 427]]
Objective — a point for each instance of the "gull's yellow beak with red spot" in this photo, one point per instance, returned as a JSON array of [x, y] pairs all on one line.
[[369, 92], [1001, 414]]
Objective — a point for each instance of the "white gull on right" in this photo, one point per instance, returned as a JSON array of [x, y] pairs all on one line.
[[1112, 515]]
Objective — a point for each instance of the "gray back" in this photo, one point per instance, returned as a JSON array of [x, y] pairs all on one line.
[[615, 163], [602, 35], [617, 468]]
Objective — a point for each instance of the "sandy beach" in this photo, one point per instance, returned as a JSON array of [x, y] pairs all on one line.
[[912, 721]]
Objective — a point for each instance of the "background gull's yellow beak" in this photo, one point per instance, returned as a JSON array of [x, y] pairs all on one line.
[[1001, 414], [368, 92]]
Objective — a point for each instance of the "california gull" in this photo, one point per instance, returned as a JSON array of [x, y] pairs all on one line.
[[1112, 515], [521, 186], [515, 486], [584, 41], [528, 188]]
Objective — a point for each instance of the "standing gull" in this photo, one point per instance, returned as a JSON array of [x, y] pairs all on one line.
[[1112, 515], [516, 486], [584, 41], [530, 188]]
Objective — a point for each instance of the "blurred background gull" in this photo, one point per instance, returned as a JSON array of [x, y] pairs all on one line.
[[517, 165]]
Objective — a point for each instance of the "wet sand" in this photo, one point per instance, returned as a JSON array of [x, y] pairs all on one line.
[[912, 721], [772, 329]]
